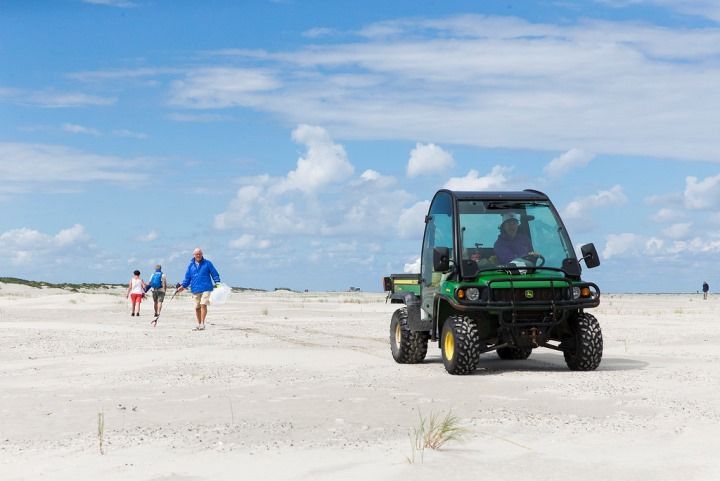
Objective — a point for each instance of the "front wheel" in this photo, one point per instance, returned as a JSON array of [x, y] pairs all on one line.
[[407, 347], [460, 345], [585, 352]]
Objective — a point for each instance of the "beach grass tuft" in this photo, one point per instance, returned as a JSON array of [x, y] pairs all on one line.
[[101, 432], [434, 432]]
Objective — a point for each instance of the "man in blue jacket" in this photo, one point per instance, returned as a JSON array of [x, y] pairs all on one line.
[[201, 276]]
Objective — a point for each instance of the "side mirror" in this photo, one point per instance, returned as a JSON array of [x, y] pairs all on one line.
[[590, 255], [441, 259]]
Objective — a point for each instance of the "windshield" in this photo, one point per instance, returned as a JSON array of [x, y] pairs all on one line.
[[502, 233]]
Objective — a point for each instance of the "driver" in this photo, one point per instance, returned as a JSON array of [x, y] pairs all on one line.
[[510, 244]]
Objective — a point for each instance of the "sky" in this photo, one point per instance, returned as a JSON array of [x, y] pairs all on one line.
[[299, 142]]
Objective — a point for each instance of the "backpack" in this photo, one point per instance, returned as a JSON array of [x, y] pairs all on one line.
[[156, 280]]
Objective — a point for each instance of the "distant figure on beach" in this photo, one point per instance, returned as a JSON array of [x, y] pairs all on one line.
[[136, 292], [706, 288], [202, 277], [158, 284]]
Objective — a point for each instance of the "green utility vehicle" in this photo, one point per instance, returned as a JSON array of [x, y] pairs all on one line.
[[498, 273]]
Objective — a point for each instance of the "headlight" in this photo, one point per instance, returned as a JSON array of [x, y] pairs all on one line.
[[576, 293], [473, 293]]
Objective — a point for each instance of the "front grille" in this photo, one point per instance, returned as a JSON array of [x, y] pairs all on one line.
[[520, 295]]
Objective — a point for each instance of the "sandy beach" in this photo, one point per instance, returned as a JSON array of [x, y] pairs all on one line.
[[286, 386]]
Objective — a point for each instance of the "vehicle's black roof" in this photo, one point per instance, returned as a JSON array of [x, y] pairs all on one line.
[[508, 195]]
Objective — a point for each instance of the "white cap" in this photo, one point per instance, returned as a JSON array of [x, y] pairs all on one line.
[[510, 216]]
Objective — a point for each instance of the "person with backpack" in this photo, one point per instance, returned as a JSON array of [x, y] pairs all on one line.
[[706, 288], [158, 284]]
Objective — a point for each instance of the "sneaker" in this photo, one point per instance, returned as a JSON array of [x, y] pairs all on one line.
[[132, 314], [202, 326]]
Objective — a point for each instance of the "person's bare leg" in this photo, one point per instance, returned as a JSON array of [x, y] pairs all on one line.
[[198, 310], [158, 308], [203, 314]]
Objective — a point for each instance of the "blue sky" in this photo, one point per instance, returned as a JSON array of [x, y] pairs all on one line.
[[299, 143]]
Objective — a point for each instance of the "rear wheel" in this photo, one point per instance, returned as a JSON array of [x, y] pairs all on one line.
[[460, 345], [514, 353], [407, 347], [585, 352]]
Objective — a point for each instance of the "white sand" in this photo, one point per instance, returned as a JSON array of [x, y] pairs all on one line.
[[302, 386]]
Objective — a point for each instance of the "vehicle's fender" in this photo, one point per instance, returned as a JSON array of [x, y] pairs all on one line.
[[412, 302]]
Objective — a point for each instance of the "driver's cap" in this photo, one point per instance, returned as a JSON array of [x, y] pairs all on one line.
[[510, 216]]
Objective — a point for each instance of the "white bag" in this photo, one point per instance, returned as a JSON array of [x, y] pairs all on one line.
[[220, 294]]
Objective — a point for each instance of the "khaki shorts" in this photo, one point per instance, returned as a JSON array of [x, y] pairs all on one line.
[[202, 299], [158, 296]]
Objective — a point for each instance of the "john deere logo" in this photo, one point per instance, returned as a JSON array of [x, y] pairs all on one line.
[[529, 294]]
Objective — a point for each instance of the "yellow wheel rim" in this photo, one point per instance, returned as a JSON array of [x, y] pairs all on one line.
[[449, 346], [398, 333]]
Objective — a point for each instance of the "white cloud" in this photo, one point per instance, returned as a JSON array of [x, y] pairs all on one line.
[[412, 267], [40, 163], [79, 129], [62, 100], [619, 244], [375, 178], [411, 223], [149, 237], [703, 8], [369, 205], [324, 162], [472, 84], [571, 159], [678, 231], [667, 215], [702, 194], [250, 242], [654, 246], [54, 99], [580, 207], [129, 134], [217, 87], [193, 117], [25, 246], [628, 245], [70, 235], [319, 32], [112, 3], [428, 159], [495, 180]]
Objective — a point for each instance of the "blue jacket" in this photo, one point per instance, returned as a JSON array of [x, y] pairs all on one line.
[[200, 277], [508, 248]]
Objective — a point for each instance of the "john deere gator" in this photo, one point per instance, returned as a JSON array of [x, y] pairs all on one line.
[[498, 273]]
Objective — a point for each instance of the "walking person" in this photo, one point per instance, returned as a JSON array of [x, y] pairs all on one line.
[[706, 288], [136, 292], [158, 284], [201, 276]]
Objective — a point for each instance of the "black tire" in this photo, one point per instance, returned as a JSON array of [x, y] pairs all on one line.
[[585, 353], [514, 353], [460, 345], [407, 347]]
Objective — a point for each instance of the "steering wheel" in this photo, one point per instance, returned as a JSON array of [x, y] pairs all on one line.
[[536, 259]]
